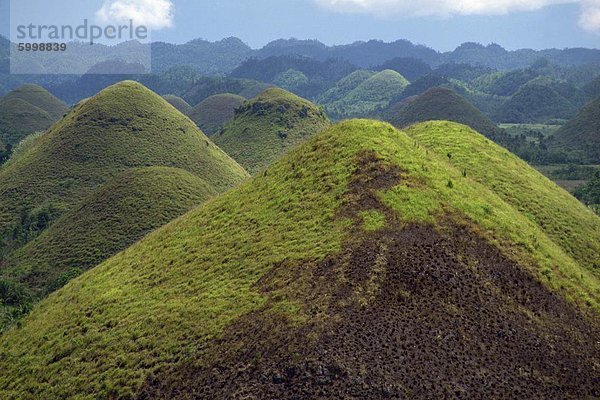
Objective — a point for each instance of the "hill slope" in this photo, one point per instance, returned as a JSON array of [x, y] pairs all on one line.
[[180, 104], [212, 113], [582, 133], [374, 93], [267, 126], [353, 250], [444, 104], [111, 219], [124, 126]]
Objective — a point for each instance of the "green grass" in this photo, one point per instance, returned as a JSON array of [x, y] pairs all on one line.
[[581, 134], [212, 114], [180, 104], [531, 131], [26, 110], [164, 299], [125, 126], [40, 98], [444, 104], [346, 85], [111, 219], [371, 94], [268, 126]]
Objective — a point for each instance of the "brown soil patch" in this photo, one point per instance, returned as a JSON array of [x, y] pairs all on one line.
[[405, 312]]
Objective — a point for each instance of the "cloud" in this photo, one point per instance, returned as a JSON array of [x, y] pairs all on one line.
[[589, 20], [155, 14], [590, 16]]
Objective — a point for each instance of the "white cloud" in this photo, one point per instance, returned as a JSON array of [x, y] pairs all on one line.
[[590, 16], [155, 14], [589, 20]]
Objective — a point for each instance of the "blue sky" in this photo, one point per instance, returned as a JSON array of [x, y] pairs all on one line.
[[441, 24]]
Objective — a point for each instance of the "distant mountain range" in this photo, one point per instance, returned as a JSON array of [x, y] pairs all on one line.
[[223, 56]]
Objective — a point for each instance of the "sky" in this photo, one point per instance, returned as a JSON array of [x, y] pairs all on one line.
[[440, 24]]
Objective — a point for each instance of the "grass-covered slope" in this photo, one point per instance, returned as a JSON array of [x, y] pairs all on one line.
[[111, 219], [444, 104], [268, 126], [538, 101], [364, 246], [343, 87], [374, 93], [211, 114], [124, 126], [582, 133], [180, 104], [40, 98]]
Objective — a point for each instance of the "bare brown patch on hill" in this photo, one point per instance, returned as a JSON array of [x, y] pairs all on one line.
[[403, 312]]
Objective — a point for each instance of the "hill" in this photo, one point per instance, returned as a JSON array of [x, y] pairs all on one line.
[[268, 126], [443, 104], [374, 93], [582, 134], [180, 104], [344, 86], [124, 126], [539, 101], [109, 220], [206, 87], [26, 110], [365, 246], [212, 113], [40, 98]]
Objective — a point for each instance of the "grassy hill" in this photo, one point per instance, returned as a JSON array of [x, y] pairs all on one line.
[[346, 85], [40, 98], [180, 104], [582, 134], [433, 256], [111, 219], [443, 104], [268, 126], [124, 126], [19, 118], [539, 101], [374, 93], [211, 114]]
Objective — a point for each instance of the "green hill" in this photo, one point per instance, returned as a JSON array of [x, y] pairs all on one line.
[[211, 114], [539, 101], [40, 98], [124, 126], [180, 104], [19, 118], [582, 134], [374, 93], [345, 86], [432, 256], [268, 126], [443, 104], [111, 219]]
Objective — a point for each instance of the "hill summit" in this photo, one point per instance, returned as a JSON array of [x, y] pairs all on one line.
[[214, 112], [267, 126], [443, 104], [432, 256]]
